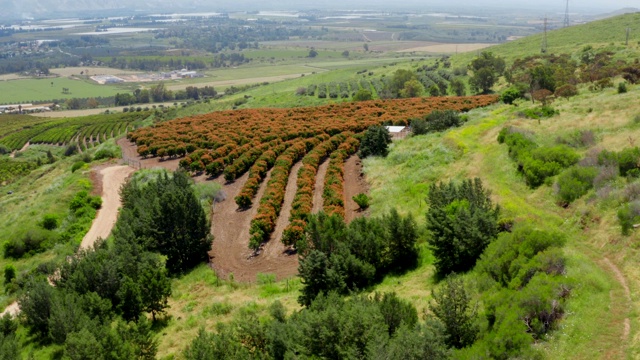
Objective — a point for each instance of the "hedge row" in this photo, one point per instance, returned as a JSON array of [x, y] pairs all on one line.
[[263, 224], [333, 194], [303, 201]]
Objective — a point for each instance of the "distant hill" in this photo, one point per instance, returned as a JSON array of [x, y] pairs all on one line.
[[609, 33], [617, 12]]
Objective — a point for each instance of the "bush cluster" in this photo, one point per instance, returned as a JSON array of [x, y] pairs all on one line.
[[540, 112], [534, 162], [462, 221], [382, 326], [344, 258]]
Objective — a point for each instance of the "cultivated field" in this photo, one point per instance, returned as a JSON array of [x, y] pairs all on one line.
[[33, 90]]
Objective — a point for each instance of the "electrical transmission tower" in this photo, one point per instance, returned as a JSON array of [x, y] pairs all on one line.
[[544, 37], [566, 15]]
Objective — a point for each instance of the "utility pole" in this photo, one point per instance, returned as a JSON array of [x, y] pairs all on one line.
[[544, 37], [628, 32], [566, 15]]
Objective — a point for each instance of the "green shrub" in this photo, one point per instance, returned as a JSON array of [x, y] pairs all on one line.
[[540, 112], [622, 88], [105, 153], [362, 200], [574, 183], [375, 142], [77, 165], [95, 202], [419, 126], [9, 273], [628, 160], [362, 95], [34, 241], [566, 91], [510, 95], [50, 222], [440, 120], [628, 216]]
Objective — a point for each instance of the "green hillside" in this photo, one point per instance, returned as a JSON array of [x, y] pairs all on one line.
[[609, 34]]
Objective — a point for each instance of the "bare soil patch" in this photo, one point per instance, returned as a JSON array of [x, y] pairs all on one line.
[[275, 246], [354, 183], [230, 252]]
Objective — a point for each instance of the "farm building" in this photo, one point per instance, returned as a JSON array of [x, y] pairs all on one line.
[[106, 79], [398, 132]]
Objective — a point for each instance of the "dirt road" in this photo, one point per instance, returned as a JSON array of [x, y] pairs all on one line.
[[113, 177]]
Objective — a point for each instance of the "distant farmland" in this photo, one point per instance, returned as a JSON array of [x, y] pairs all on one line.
[[32, 90]]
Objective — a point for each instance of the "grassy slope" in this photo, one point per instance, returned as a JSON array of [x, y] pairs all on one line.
[[608, 33], [595, 322]]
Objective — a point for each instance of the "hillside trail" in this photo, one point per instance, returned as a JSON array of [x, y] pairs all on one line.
[[110, 179]]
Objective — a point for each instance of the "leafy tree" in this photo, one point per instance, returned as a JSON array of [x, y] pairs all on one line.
[[462, 221], [83, 345], [483, 80], [487, 68], [313, 271], [36, 303], [66, 317], [397, 82], [156, 288], [375, 142], [362, 95], [130, 296], [9, 347], [8, 325], [452, 307], [396, 312], [510, 95], [412, 88], [165, 215], [312, 53], [458, 87]]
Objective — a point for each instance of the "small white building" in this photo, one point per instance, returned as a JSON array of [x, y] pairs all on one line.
[[397, 132]]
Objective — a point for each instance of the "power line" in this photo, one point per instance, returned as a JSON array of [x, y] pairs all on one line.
[[544, 37], [566, 15]]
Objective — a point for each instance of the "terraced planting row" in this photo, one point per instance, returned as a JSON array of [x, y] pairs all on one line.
[[231, 143], [91, 129]]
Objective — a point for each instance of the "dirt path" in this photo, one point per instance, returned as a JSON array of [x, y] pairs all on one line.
[[113, 178], [354, 183], [110, 180], [230, 252], [319, 186], [275, 246], [623, 282], [13, 153], [130, 153]]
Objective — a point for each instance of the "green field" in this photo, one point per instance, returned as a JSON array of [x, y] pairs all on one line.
[[34, 90]]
